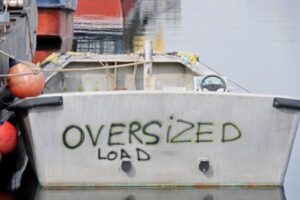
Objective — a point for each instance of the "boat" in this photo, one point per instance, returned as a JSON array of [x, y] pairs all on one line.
[[100, 16], [118, 26], [57, 37], [153, 120], [18, 26]]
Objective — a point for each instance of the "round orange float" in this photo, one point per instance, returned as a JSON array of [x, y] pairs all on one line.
[[27, 85], [8, 137]]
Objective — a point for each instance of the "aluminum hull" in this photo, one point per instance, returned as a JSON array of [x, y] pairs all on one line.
[[85, 141]]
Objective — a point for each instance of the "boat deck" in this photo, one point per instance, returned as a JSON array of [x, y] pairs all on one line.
[[91, 72]]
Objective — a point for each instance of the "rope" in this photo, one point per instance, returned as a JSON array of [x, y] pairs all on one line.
[[20, 74], [36, 69], [19, 60]]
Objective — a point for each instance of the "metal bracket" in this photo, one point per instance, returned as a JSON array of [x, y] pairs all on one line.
[[36, 102], [204, 165], [286, 103], [126, 165]]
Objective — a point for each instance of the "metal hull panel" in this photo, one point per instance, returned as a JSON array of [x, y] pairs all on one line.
[[165, 136]]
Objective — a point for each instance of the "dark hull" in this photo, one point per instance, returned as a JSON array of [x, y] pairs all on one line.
[[58, 36]]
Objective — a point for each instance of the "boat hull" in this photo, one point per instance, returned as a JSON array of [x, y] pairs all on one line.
[[55, 38], [163, 136], [60, 20]]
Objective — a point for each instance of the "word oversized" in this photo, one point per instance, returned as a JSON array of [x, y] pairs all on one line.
[[152, 132]]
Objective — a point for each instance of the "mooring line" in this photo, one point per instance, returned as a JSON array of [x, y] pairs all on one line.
[[36, 69]]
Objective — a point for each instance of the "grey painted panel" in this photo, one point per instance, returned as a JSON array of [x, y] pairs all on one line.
[[243, 136]]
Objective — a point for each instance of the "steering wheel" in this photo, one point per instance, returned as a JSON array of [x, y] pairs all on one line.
[[213, 83]]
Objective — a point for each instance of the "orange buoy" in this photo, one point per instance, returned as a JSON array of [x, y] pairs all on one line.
[[8, 137], [25, 86]]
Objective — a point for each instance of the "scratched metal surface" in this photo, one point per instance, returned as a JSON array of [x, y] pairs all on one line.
[[160, 134]]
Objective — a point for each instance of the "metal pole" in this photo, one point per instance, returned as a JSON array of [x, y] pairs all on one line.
[[148, 65]]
